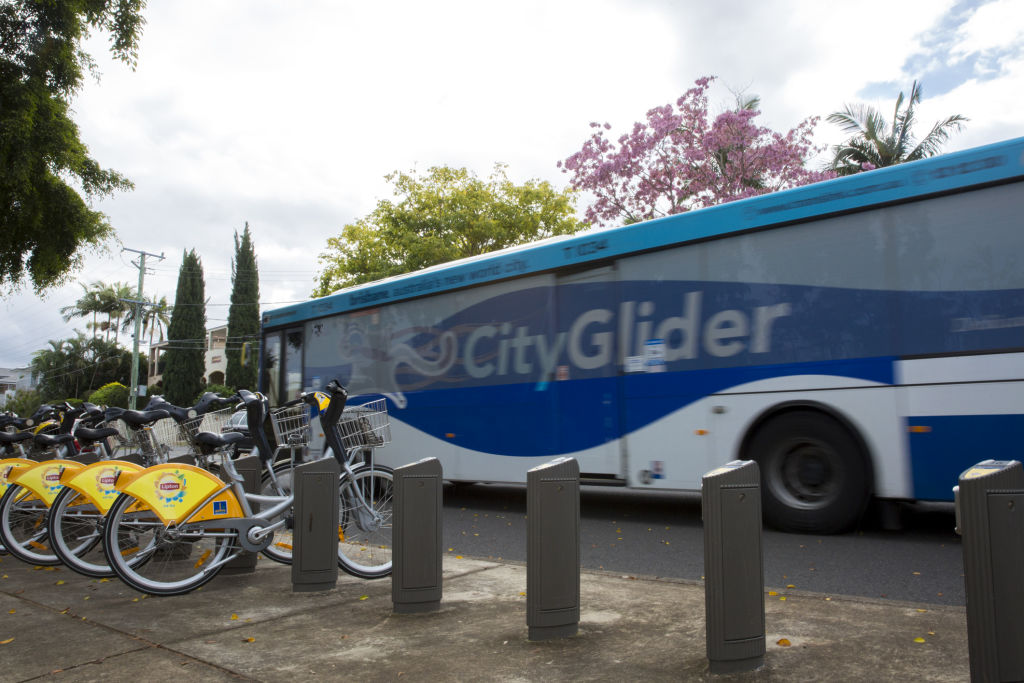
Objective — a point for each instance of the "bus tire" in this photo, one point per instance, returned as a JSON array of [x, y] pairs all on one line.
[[815, 477]]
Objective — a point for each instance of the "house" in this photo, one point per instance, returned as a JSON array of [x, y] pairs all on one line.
[[15, 379], [216, 358]]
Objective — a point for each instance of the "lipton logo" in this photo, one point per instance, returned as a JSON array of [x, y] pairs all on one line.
[[108, 480], [51, 476], [170, 487]]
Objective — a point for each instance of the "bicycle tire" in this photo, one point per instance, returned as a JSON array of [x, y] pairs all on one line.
[[280, 548], [76, 532], [364, 534], [153, 559], [23, 529]]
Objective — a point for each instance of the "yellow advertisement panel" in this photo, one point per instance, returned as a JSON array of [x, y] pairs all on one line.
[[174, 491], [96, 481], [43, 478]]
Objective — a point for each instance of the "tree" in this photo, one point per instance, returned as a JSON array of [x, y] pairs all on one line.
[[873, 144], [74, 367], [681, 159], [155, 317], [113, 303], [243, 314], [185, 357], [446, 214], [88, 304], [45, 224]]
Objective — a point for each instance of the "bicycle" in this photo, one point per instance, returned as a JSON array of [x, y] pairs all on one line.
[[174, 527], [76, 517]]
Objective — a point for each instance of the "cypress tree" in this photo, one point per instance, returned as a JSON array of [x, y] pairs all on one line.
[[185, 357], [243, 315]]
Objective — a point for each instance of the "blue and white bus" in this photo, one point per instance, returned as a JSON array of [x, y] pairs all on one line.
[[859, 337]]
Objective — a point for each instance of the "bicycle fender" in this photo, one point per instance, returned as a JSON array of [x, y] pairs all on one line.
[[9, 465], [175, 491], [96, 481], [43, 478]]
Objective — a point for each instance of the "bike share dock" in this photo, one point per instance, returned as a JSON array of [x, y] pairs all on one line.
[[57, 625]]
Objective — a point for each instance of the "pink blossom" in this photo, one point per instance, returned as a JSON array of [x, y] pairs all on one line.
[[679, 159]]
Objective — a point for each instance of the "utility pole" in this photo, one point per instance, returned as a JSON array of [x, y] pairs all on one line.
[[139, 303]]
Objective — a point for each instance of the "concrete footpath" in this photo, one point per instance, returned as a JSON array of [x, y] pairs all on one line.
[[57, 625]]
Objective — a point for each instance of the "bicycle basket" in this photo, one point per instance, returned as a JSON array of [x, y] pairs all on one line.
[[365, 425], [207, 422], [291, 425], [167, 432]]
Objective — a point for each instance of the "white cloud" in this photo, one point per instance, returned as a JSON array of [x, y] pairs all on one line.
[[288, 115]]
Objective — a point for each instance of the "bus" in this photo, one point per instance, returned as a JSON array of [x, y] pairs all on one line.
[[859, 338]]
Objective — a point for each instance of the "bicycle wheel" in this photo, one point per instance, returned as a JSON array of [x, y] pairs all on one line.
[[155, 559], [76, 529], [365, 522], [280, 548], [23, 527]]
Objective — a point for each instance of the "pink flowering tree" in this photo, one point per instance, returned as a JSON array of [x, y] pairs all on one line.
[[681, 159]]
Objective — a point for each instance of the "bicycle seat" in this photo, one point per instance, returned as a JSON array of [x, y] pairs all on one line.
[[140, 418], [89, 435], [209, 442], [54, 439], [218, 440], [15, 437]]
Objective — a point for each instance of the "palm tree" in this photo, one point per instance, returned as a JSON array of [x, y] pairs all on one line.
[[874, 144], [88, 304], [155, 316], [112, 303]]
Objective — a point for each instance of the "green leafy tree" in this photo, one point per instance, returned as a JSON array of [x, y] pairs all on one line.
[[874, 144], [444, 215], [45, 224], [243, 314], [185, 358]]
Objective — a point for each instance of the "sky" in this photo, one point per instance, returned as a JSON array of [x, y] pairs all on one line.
[[288, 115]]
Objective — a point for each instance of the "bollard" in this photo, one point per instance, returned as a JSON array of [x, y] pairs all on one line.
[[249, 468], [733, 572], [315, 540], [553, 549], [990, 517], [416, 579]]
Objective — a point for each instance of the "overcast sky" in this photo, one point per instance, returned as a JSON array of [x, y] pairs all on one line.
[[288, 114]]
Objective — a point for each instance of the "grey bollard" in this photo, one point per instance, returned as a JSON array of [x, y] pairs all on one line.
[[553, 549], [733, 571], [249, 468], [416, 579], [990, 517], [315, 539]]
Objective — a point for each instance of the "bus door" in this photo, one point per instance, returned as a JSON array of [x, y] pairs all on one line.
[[586, 381]]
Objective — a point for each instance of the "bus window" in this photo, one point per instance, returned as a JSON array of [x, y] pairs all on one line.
[[292, 364], [271, 382]]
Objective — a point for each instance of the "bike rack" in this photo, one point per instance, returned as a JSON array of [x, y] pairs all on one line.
[[316, 506], [553, 549], [417, 538]]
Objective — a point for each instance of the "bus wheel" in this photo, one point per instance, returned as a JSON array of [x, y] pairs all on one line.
[[814, 477]]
